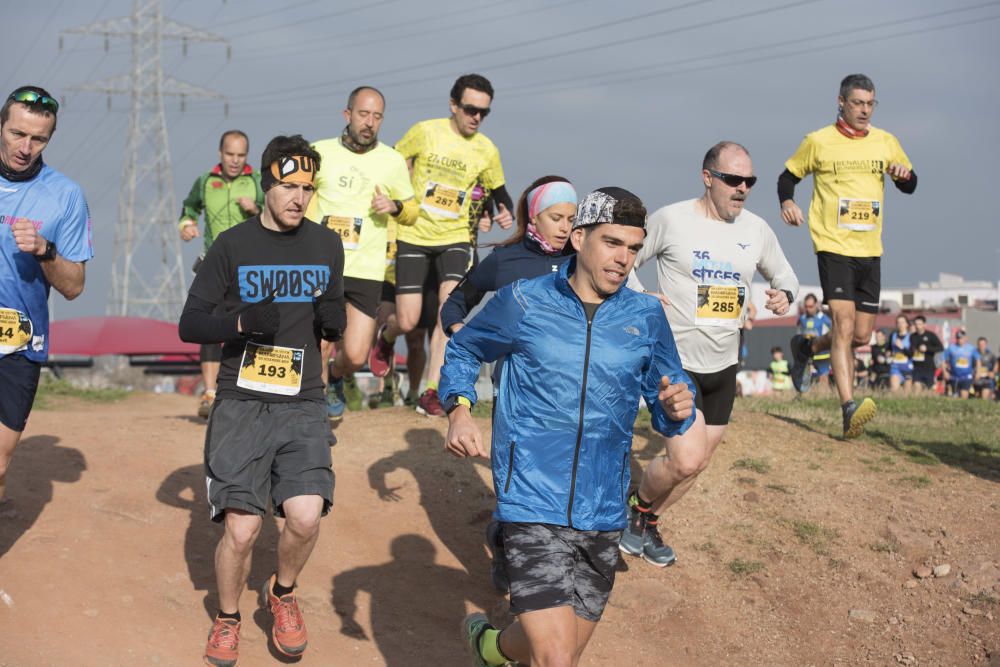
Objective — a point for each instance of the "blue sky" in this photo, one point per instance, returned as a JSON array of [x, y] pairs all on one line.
[[628, 94]]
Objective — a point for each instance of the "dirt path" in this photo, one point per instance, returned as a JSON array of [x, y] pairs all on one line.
[[802, 556]]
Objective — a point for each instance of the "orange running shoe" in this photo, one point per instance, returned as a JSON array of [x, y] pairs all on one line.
[[289, 628], [223, 648]]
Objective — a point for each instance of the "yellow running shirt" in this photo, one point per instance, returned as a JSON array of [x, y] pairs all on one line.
[[446, 167], [848, 202], [345, 186]]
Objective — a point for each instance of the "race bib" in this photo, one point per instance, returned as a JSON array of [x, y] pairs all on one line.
[[349, 229], [962, 362], [899, 358], [15, 330], [443, 200], [918, 356], [271, 368], [719, 305], [859, 215], [390, 253]]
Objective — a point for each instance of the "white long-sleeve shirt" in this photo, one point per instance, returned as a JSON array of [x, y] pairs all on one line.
[[704, 267]]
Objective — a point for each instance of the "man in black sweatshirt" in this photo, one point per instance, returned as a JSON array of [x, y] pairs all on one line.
[[269, 289], [925, 344]]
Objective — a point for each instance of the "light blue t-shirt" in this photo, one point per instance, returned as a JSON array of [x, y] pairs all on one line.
[[961, 360], [55, 205]]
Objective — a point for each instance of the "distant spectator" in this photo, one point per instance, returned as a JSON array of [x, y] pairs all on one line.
[[958, 364], [879, 368], [778, 370], [987, 367], [901, 362], [925, 345]]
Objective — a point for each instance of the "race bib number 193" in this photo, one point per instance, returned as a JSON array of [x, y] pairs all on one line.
[[720, 305], [15, 330], [271, 369]]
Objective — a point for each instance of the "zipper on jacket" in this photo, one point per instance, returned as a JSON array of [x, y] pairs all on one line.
[[510, 466], [579, 429]]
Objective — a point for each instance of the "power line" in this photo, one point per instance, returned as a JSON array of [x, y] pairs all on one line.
[[545, 85], [280, 10], [587, 49], [311, 19], [16, 69]]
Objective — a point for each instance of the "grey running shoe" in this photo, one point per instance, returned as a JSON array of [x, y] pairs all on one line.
[[654, 551], [856, 416], [494, 542], [473, 627], [633, 538], [801, 370], [335, 401]]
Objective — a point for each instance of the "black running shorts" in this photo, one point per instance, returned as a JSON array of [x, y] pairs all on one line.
[[363, 294], [19, 379], [857, 279], [715, 394], [555, 566], [429, 307], [255, 450], [413, 262]]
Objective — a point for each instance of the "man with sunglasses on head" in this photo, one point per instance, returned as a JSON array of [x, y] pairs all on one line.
[[706, 253], [45, 241], [849, 161], [363, 192], [447, 158]]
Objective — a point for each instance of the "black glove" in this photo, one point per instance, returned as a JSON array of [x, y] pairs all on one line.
[[331, 317], [261, 319]]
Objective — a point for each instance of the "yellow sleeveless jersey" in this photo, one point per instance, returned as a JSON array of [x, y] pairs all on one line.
[[345, 186], [446, 167], [848, 203]]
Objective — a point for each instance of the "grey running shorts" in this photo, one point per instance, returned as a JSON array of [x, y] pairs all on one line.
[[255, 449], [555, 566]]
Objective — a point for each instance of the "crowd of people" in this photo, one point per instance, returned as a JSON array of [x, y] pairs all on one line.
[[338, 247]]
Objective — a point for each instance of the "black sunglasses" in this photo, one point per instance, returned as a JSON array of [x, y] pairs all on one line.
[[33, 97], [732, 180], [472, 110]]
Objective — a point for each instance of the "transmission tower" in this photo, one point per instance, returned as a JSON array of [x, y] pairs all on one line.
[[147, 210]]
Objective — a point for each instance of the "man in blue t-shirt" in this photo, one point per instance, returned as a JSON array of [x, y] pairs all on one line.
[[958, 364], [813, 323], [44, 242]]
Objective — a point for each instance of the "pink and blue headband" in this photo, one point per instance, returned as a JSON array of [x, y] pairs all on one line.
[[549, 194]]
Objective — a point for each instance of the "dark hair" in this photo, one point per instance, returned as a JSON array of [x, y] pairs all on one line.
[[982, 338], [777, 348], [921, 318], [282, 146], [474, 81], [521, 211], [32, 108], [711, 160], [233, 133], [360, 89], [855, 82], [809, 296]]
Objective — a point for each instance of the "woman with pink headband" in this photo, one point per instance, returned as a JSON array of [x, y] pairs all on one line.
[[545, 215]]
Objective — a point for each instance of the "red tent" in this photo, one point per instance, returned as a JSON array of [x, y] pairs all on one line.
[[96, 336]]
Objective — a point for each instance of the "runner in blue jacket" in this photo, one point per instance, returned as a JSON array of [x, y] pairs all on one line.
[[580, 351]]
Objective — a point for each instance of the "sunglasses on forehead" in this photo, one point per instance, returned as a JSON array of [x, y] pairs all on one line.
[[733, 180], [472, 110], [36, 98]]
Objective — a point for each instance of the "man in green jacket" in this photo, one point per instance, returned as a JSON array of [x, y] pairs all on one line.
[[228, 194]]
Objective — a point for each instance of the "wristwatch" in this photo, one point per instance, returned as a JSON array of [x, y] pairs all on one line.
[[49, 254], [791, 297], [399, 208]]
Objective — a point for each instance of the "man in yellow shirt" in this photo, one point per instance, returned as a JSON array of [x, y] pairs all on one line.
[[362, 188], [447, 158], [849, 161]]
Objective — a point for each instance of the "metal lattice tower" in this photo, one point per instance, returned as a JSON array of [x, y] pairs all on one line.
[[147, 208]]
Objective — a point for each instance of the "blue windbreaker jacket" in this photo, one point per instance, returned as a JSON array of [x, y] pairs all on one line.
[[568, 396]]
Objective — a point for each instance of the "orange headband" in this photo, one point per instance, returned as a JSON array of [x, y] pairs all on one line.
[[293, 169]]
